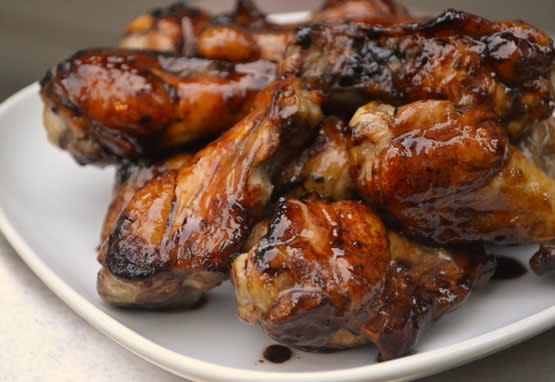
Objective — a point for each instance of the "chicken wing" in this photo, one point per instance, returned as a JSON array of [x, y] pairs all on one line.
[[174, 238], [329, 276], [106, 105], [244, 34], [316, 275], [239, 36], [323, 167], [456, 56], [449, 174]]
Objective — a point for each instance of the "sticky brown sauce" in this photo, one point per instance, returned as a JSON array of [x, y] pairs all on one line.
[[508, 269], [277, 354]]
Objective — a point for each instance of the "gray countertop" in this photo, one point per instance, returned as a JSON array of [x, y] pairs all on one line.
[[41, 338]]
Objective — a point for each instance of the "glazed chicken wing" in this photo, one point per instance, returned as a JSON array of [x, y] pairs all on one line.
[[323, 167], [316, 275], [244, 34], [130, 178], [329, 276], [107, 105], [449, 174], [239, 36], [456, 56], [174, 238]]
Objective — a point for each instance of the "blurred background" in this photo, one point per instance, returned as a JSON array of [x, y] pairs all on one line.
[[36, 34]]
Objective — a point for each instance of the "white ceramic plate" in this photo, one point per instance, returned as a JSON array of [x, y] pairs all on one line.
[[51, 211]]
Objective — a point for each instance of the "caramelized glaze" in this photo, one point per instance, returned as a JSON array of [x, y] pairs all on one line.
[[313, 278], [456, 56], [323, 167], [326, 276], [185, 224], [244, 34], [449, 174], [423, 285], [121, 104]]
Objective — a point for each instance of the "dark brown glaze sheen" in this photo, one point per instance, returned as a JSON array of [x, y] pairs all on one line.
[[255, 38], [185, 224], [508, 269], [456, 56], [543, 261], [313, 279], [327, 276], [449, 175], [323, 167], [106, 105], [423, 285], [130, 178]]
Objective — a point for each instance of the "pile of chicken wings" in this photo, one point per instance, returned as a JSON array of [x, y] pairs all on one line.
[[344, 172]]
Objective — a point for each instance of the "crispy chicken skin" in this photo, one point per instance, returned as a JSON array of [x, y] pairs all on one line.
[[424, 284], [449, 175], [456, 56], [130, 178], [181, 227], [323, 167], [315, 276], [105, 105], [243, 34], [256, 38], [328, 276]]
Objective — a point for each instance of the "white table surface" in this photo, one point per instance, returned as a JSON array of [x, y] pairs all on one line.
[[41, 339]]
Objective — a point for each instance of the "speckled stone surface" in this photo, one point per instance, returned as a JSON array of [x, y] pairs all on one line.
[[41, 339]]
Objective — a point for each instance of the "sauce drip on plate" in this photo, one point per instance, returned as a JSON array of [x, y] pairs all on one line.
[[508, 269], [277, 353]]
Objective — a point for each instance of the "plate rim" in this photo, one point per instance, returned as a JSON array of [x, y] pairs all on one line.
[[414, 366]]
